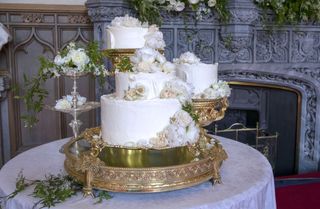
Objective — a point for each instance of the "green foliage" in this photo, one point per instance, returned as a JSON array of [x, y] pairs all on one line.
[[124, 65], [292, 11], [52, 190], [148, 11], [189, 109]]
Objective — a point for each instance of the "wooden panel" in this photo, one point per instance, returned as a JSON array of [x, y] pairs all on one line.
[[43, 32]]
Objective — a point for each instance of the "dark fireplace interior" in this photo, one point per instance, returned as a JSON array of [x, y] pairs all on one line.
[[277, 109]]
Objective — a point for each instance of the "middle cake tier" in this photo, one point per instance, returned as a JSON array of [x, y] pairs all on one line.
[[134, 123]]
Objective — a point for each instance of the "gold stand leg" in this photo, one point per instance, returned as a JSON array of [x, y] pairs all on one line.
[[87, 189]]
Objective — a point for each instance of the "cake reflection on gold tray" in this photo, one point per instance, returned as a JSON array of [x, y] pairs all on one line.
[[119, 169]]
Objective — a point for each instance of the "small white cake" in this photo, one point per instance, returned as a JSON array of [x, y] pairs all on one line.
[[129, 33], [152, 82], [130, 123], [199, 75]]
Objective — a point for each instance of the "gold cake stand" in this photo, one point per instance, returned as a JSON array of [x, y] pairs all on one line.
[[122, 169]]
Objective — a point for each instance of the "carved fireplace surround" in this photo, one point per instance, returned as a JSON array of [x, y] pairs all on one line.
[[247, 51]]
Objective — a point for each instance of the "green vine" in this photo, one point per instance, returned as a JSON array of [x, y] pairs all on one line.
[[189, 109], [52, 190]]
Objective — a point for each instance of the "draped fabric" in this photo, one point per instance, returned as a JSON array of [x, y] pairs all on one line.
[[247, 183]]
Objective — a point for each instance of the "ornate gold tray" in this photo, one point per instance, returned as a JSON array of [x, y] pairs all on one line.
[[119, 169]]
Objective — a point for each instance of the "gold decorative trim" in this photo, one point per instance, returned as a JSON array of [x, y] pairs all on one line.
[[87, 167]]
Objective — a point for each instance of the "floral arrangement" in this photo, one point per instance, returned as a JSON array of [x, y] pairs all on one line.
[[215, 91], [187, 58], [176, 88], [150, 11], [150, 60], [127, 21], [292, 11], [181, 131], [137, 93], [71, 60], [66, 102]]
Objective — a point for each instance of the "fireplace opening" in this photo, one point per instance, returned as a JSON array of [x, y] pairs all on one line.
[[275, 109]]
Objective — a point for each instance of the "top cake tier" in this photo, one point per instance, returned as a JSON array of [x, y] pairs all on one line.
[[129, 33]]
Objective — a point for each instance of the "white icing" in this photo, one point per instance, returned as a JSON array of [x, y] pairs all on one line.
[[200, 75], [130, 122], [125, 37], [152, 82]]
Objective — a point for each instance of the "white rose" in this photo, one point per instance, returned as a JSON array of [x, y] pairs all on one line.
[[58, 60], [188, 57], [79, 57], [160, 58], [193, 133], [168, 67], [182, 118], [212, 3], [193, 1], [179, 6], [62, 104]]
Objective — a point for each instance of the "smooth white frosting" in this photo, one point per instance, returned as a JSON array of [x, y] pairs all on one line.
[[127, 123], [200, 75], [153, 82], [126, 37]]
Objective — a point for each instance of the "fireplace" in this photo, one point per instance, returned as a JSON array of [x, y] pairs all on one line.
[[275, 109], [247, 52]]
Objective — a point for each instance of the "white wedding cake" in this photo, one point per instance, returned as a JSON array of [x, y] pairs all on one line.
[[203, 77], [129, 33], [146, 109]]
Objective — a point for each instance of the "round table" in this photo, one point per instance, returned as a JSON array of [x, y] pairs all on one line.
[[247, 183]]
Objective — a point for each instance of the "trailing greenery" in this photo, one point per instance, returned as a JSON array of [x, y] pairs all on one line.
[[52, 190], [150, 10], [292, 11], [71, 58], [189, 109]]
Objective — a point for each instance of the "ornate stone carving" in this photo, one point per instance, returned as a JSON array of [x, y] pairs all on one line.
[[32, 18], [305, 46], [235, 49], [79, 19], [244, 16], [272, 47], [107, 14]]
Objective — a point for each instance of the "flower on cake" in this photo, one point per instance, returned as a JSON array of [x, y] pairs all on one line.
[[215, 91], [181, 131], [187, 58], [66, 102], [149, 60], [176, 88], [136, 93], [127, 21], [154, 38]]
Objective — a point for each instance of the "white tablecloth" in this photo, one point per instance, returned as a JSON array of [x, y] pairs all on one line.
[[247, 183]]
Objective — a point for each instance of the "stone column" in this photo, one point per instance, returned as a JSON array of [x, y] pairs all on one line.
[[4, 120]]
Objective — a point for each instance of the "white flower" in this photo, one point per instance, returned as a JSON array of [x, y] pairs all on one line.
[[160, 58], [187, 58], [79, 57], [179, 6], [63, 104], [193, 1], [212, 3], [168, 67], [154, 38], [126, 21], [58, 60], [193, 133], [215, 91], [81, 100], [176, 88], [182, 118]]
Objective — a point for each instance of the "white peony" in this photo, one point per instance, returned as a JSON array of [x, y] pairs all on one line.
[[193, 1], [58, 60], [79, 57], [179, 6], [182, 118], [63, 104], [193, 133], [81, 100], [154, 38], [168, 67], [160, 58], [215, 91], [127, 21], [187, 58], [212, 3]]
